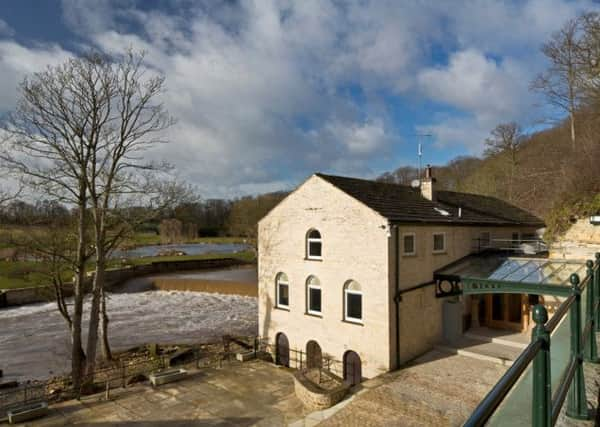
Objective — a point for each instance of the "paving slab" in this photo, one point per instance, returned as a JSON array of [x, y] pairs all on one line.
[[241, 394]]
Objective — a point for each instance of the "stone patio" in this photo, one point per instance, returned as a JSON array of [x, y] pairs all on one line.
[[437, 389], [241, 394]]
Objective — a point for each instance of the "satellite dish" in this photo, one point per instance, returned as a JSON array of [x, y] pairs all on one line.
[[415, 183]]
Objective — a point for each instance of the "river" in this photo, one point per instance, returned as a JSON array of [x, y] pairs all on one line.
[[187, 248], [34, 343]]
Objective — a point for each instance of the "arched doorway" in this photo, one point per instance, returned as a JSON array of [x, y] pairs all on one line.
[[282, 350], [352, 368], [314, 356]]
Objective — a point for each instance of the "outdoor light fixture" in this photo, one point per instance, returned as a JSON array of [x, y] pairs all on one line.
[[595, 219]]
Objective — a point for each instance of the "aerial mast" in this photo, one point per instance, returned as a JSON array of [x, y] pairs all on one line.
[[420, 151]]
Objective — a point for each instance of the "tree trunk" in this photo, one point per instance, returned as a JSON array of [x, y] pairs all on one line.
[[106, 352], [77, 354], [92, 343], [572, 122]]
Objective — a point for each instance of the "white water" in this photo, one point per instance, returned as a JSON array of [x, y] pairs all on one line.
[[34, 342]]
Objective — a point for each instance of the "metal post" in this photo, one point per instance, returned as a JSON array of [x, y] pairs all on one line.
[[542, 392], [597, 291], [590, 352], [577, 404]]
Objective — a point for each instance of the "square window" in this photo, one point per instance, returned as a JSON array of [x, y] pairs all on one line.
[[314, 300], [409, 244], [283, 297], [439, 242], [353, 306]]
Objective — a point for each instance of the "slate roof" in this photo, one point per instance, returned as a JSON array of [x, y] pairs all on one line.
[[401, 203]]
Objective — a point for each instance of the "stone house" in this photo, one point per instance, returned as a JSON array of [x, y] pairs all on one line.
[[346, 266]]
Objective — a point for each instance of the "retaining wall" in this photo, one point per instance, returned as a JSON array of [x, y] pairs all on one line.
[[22, 296]]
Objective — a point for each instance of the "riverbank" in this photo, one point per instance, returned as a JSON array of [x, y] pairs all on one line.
[[137, 268], [30, 274]]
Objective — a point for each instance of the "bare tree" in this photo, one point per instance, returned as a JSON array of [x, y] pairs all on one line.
[[506, 140], [78, 135], [48, 149], [561, 82], [589, 58]]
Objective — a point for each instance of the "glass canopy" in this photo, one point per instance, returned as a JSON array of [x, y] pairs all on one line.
[[515, 269]]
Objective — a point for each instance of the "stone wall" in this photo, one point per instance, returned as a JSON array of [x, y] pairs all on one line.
[[421, 312], [22, 296], [581, 242], [315, 397], [355, 246]]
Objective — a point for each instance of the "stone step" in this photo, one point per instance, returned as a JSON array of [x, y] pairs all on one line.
[[497, 340], [482, 350]]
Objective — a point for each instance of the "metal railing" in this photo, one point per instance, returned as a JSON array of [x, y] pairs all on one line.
[[545, 406], [122, 373], [520, 246]]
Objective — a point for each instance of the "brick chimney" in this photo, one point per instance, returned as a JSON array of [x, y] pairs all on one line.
[[428, 184]]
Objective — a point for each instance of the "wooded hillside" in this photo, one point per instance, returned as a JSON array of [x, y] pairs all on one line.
[[553, 173]]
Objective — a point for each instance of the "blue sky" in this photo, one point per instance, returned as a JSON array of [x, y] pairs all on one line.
[[268, 92]]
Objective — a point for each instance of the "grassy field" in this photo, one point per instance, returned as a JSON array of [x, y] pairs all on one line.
[[24, 274]]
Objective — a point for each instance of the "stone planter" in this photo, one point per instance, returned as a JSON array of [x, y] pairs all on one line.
[[168, 376], [246, 355], [318, 396], [26, 413]]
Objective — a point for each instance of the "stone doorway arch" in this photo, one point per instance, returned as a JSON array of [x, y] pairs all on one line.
[[314, 355], [352, 368], [282, 350]]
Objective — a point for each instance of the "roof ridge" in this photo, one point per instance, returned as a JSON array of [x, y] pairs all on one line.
[[373, 181]]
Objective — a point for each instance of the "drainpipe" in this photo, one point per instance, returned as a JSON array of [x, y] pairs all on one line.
[[397, 297]]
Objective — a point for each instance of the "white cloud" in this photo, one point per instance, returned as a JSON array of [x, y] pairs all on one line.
[[267, 92], [474, 83], [17, 61]]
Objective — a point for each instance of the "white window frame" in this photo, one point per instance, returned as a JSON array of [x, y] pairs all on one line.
[[308, 298], [348, 318], [310, 240], [279, 282], [439, 251], [414, 252]]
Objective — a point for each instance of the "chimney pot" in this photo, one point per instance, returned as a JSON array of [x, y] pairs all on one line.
[[428, 172], [428, 184]]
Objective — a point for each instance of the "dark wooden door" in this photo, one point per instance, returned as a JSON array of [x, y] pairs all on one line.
[[352, 368], [282, 356], [505, 311], [314, 356]]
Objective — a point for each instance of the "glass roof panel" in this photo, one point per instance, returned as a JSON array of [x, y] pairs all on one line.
[[516, 269]]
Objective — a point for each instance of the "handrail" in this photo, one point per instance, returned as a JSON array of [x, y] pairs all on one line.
[[563, 388], [494, 398], [546, 408]]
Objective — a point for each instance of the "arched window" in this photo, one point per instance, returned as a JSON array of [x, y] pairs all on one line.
[[353, 302], [313, 295], [314, 244], [282, 291]]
